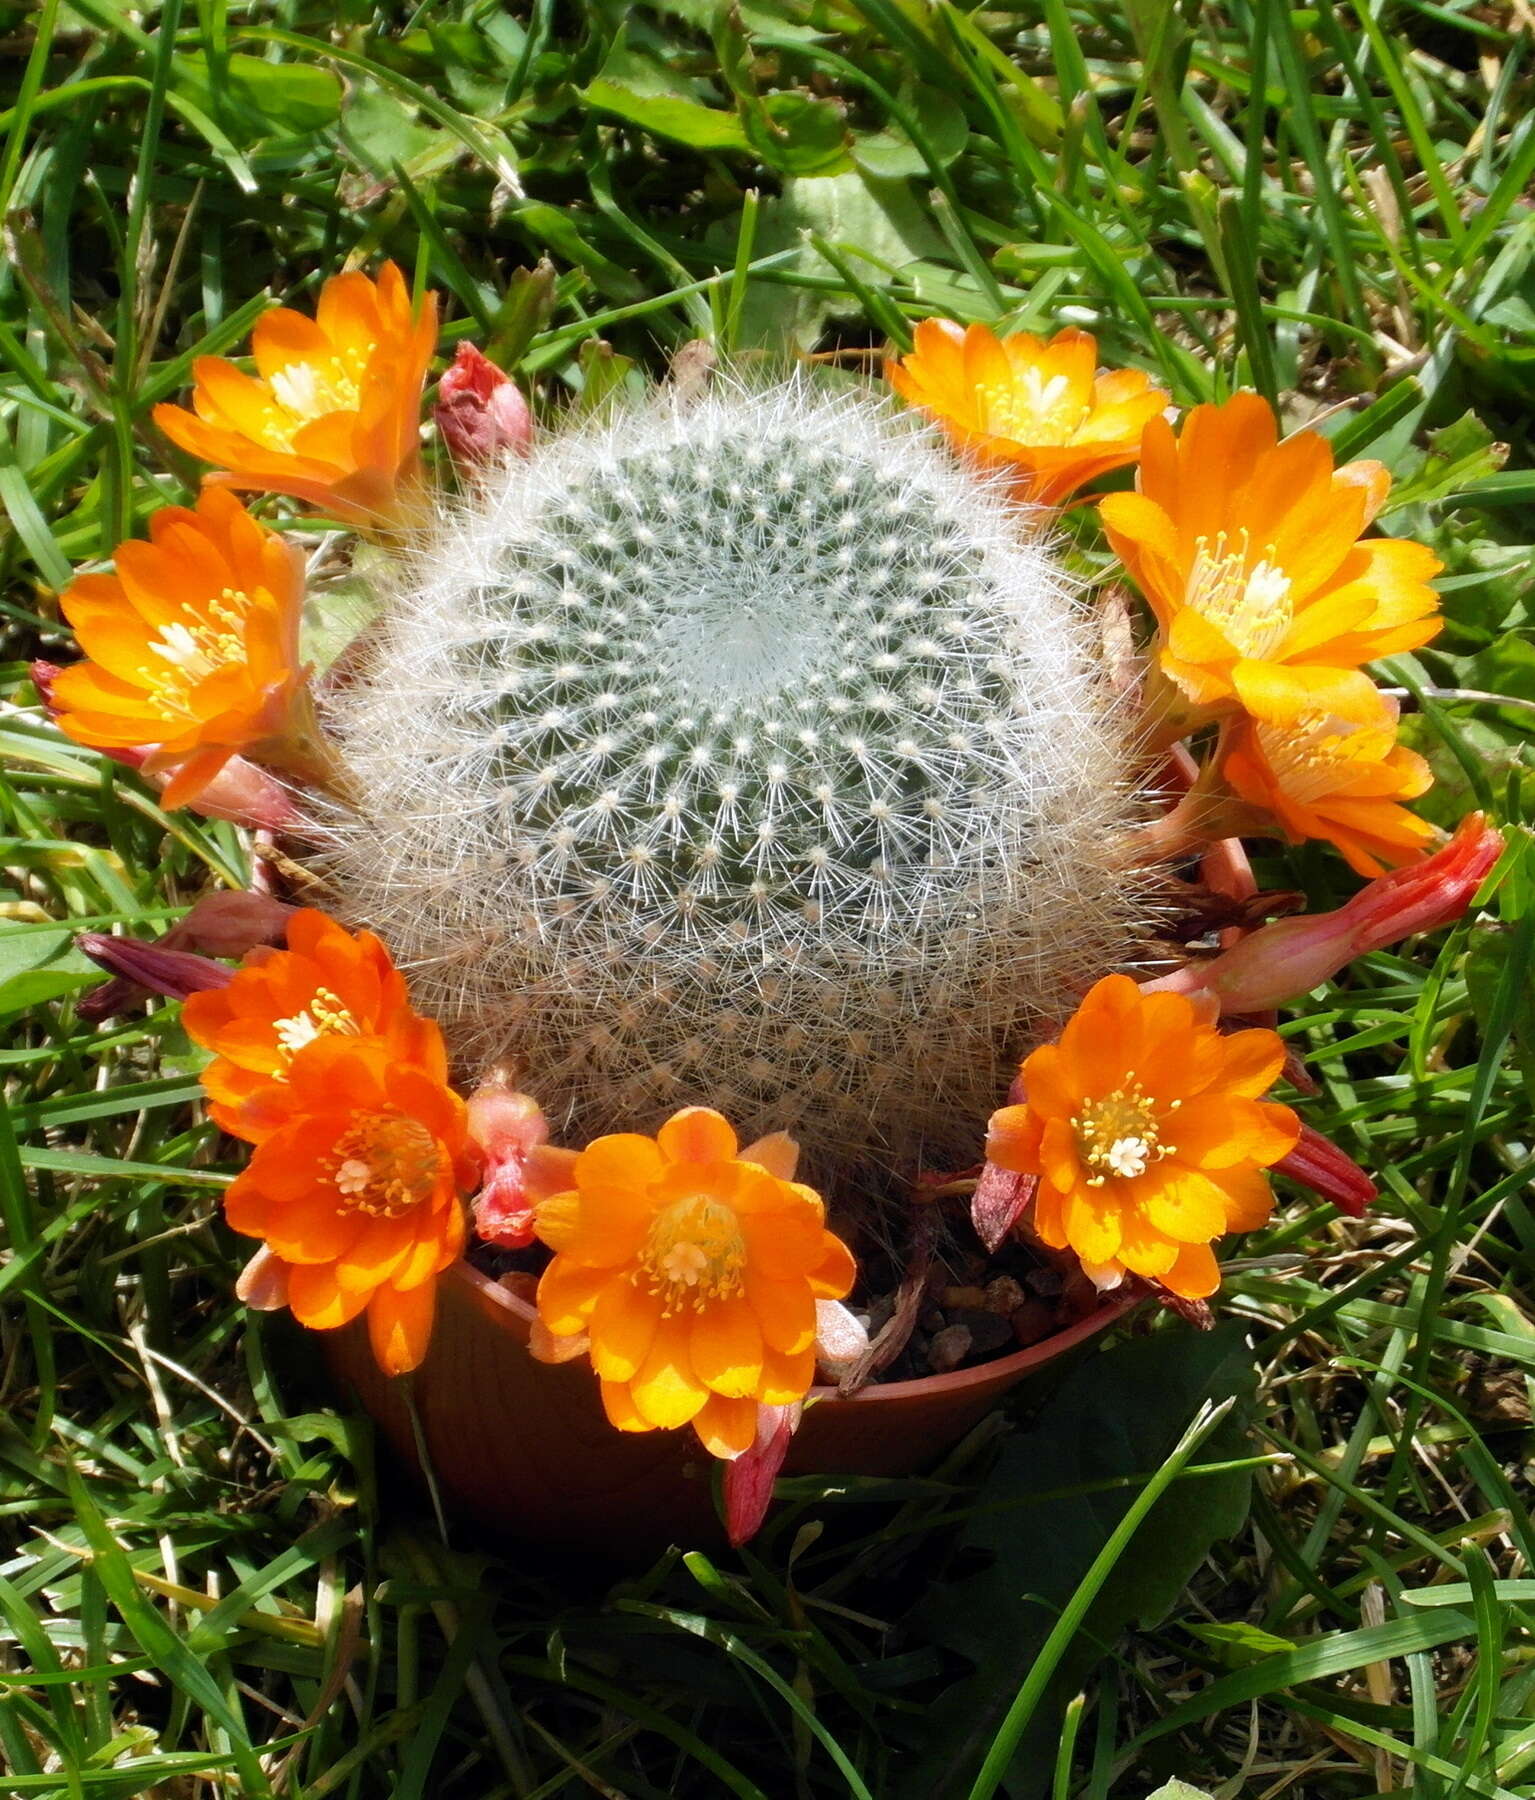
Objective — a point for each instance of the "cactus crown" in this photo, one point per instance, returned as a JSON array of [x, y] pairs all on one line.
[[742, 750]]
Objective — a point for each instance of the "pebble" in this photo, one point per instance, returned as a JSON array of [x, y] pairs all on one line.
[[989, 1331], [1004, 1295], [1032, 1322], [949, 1348]]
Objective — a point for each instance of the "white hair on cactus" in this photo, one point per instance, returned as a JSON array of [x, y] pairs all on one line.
[[742, 749]]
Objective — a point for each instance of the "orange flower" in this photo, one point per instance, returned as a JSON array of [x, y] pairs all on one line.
[[1146, 1129], [333, 416], [327, 983], [193, 650], [1336, 776], [356, 1196], [1038, 407], [694, 1268], [1249, 553]]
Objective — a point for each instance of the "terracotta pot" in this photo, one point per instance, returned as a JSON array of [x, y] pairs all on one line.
[[525, 1448]]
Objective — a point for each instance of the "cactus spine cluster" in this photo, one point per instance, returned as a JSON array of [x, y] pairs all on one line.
[[743, 749]]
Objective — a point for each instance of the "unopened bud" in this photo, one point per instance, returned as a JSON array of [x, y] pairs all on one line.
[[172, 973], [1292, 956], [480, 414], [749, 1477], [219, 924], [508, 1127], [1317, 1163]]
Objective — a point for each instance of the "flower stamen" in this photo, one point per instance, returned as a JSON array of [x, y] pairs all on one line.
[[384, 1165], [1249, 603], [1118, 1134], [325, 1013], [693, 1253]]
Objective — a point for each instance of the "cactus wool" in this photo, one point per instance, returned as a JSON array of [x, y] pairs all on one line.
[[742, 749]]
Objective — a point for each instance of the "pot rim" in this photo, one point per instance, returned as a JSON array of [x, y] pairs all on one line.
[[1111, 1309]]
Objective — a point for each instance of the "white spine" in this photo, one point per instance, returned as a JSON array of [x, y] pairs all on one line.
[[745, 751]]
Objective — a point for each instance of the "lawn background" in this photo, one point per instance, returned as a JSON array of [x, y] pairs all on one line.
[[204, 1587]]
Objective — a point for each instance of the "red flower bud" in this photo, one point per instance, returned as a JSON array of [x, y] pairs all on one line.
[[220, 924], [749, 1477], [173, 973], [1317, 1163], [480, 413], [999, 1201], [1290, 957]]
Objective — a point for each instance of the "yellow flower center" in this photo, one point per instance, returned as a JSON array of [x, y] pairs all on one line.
[[1033, 410], [383, 1165], [693, 1253], [1250, 605], [1118, 1134], [305, 391], [1307, 755], [325, 1014], [190, 649]]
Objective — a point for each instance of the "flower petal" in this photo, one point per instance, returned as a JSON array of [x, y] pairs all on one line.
[[666, 1391], [727, 1348], [400, 1326], [623, 1328]]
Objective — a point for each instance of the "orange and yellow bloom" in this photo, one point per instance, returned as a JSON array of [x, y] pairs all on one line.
[[1250, 555], [1149, 1135], [1338, 777], [1036, 406], [357, 1195], [333, 414], [192, 650], [329, 982], [693, 1268]]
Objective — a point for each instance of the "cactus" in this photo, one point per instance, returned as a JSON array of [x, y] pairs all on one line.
[[742, 749]]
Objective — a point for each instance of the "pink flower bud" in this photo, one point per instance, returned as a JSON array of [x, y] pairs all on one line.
[[242, 793], [480, 414], [508, 1127], [43, 675], [229, 922], [1290, 957], [1317, 1163], [749, 1477]]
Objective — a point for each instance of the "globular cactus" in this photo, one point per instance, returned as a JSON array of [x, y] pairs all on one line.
[[744, 749]]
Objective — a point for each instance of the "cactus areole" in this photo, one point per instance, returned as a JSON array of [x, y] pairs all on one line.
[[745, 749]]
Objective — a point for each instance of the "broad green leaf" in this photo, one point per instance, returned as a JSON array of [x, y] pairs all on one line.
[[267, 98], [878, 224], [797, 133], [38, 966], [891, 155], [637, 88], [1052, 1501], [1458, 456], [381, 129]]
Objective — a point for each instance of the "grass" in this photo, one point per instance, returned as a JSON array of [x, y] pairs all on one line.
[[206, 1584]]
